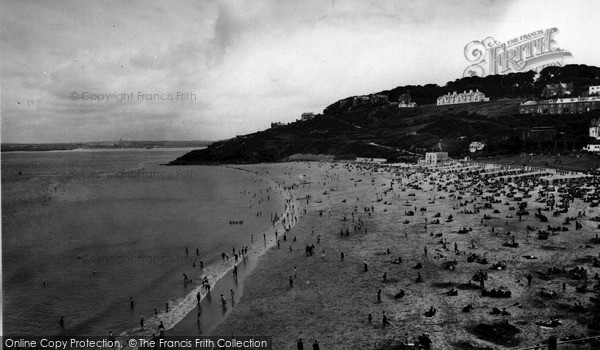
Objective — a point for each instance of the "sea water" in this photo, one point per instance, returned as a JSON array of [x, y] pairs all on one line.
[[85, 231]]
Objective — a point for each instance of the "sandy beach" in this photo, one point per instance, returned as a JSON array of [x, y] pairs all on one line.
[[356, 210]]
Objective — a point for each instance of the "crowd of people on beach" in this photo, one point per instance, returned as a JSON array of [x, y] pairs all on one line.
[[467, 194]]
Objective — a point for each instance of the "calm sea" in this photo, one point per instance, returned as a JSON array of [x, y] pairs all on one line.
[[85, 231]]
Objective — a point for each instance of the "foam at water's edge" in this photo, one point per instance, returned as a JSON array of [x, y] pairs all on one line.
[[181, 307]]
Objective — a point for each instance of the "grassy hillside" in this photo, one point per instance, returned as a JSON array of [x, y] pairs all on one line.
[[389, 133], [347, 129]]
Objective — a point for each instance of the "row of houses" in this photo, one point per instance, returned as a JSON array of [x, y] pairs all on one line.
[[463, 97], [565, 105], [404, 101], [557, 99]]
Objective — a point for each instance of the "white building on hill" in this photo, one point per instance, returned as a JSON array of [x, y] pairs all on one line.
[[407, 105], [436, 158], [592, 148], [307, 116], [464, 97], [476, 146]]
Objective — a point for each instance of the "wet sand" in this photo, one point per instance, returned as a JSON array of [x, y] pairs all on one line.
[[210, 312], [330, 299]]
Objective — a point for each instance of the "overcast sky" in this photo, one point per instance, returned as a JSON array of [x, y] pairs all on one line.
[[247, 62]]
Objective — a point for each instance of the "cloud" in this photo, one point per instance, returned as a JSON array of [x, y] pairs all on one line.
[[247, 62]]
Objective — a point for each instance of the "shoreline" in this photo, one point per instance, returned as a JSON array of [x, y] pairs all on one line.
[[211, 312]]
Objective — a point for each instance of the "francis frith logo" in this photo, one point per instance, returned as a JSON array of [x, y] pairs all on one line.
[[531, 51]]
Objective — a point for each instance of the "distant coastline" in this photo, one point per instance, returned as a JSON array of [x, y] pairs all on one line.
[[104, 145]]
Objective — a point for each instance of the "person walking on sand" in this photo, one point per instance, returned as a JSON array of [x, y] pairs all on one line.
[[366, 266], [342, 256], [419, 278], [370, 318], [300, 344], [529, 278], [385, 321], [316, 345], [291, 281], [379, 295], [198, 298]]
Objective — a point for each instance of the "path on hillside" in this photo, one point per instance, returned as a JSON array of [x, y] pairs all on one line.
[[393, 148], [345, 122]]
